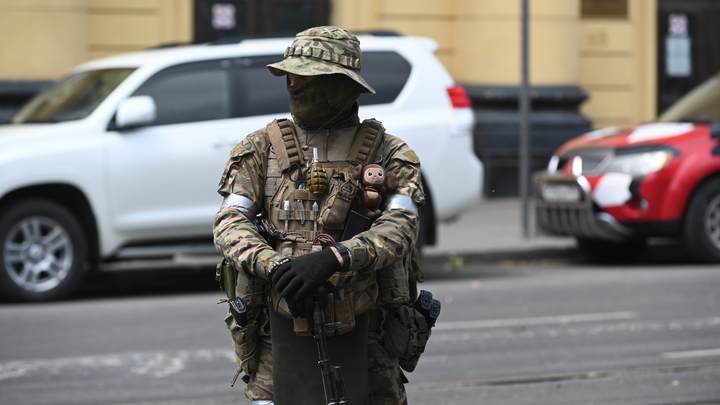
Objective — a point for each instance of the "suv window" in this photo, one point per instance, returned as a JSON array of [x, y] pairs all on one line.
[[260, 93], [73, 98], [190, 92], [257, 91], [387, 72]]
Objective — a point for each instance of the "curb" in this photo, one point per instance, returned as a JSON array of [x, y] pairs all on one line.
[[457, 260]]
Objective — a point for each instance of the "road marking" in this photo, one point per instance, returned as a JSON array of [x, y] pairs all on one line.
[[543, 320], [545, 378], [574, 330], [692, 353], [151, 364]]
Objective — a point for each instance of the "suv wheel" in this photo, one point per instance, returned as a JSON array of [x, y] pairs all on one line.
[[701, 230], [42, 251]]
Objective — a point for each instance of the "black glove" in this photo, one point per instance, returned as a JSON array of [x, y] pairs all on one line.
[[304, 273], [305, 306]]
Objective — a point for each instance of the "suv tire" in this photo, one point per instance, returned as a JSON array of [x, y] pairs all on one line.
[[701, 230], [43, 251]]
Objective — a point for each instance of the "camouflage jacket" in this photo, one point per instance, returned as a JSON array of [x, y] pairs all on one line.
[[391, 237]]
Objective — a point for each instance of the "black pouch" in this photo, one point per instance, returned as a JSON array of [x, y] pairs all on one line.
[[356, 223], [406, 332]]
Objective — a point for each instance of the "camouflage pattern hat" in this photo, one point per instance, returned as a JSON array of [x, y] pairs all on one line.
[[323, 51]]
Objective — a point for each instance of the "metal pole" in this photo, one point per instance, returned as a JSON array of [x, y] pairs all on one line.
[[524, 144]]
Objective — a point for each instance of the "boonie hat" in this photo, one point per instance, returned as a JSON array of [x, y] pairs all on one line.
[[323, 51]]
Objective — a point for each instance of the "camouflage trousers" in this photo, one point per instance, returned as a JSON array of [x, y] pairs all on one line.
[[385, 378]]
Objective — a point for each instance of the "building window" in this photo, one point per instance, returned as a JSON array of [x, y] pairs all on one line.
[[293, 17], [220, 19], [230, 20], [604, 9]]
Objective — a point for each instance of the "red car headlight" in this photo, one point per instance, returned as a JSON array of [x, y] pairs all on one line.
[[639, 163]]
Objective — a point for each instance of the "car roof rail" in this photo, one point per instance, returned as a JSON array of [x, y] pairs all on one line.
[[379, 33], [236, 39], [239, 38], [170, 45]]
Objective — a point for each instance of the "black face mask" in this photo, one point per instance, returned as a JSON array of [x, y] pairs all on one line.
[[324, 101]]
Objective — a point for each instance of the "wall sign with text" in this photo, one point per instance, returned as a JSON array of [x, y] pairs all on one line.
[[678, 47]]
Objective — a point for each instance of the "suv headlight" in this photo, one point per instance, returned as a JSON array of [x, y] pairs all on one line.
[[640, 163]]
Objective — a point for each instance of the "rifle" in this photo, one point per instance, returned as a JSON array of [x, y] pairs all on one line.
[[333, 382]]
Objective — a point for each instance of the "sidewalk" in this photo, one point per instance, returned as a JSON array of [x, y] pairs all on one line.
[[493, 228], [490, 232]]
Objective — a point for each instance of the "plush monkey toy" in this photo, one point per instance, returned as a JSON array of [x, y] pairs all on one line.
[[375, 181]]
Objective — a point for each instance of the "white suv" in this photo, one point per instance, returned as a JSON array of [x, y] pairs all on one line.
[[121, 158]]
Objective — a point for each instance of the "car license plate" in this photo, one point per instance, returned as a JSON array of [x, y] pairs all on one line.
[[560, 193]]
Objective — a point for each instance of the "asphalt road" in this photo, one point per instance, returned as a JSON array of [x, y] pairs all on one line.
[[531, 331]]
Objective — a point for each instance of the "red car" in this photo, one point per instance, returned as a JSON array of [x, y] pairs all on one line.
[[614, 188]]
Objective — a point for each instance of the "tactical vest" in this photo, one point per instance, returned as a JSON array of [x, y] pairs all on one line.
[[302, 229]]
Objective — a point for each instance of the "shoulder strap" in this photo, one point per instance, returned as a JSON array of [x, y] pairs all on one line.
[[285, 143], [366, 143]]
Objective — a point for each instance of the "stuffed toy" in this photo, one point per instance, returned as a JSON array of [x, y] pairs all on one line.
[[375, 181]]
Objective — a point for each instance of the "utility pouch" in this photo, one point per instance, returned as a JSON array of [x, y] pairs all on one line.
[[225, 275], [337, 205], [245, 340], [340, 310], [406, 332], [293, 249]]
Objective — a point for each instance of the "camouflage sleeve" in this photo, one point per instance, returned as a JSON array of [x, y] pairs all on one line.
[[394, 233], [235, 236]]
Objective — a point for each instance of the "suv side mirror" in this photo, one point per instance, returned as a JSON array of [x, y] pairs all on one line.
[[135, 111]]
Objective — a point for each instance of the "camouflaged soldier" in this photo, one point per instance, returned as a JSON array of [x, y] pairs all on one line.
[[299, 175]]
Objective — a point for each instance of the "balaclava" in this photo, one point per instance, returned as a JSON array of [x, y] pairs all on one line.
[[327, 101]]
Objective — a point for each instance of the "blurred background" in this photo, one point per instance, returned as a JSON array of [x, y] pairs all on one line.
[[524, 321]]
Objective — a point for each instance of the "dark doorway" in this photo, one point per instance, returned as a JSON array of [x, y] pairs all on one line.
[[228, 20], [688, 46]]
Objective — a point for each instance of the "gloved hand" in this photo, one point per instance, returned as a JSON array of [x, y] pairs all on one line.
[[303, 274], [305, 306]]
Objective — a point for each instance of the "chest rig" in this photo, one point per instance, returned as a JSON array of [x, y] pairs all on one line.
[[306, 222]]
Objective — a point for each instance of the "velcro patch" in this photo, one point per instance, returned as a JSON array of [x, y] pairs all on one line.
[[237, 149], [241, 149], [412, 156]]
